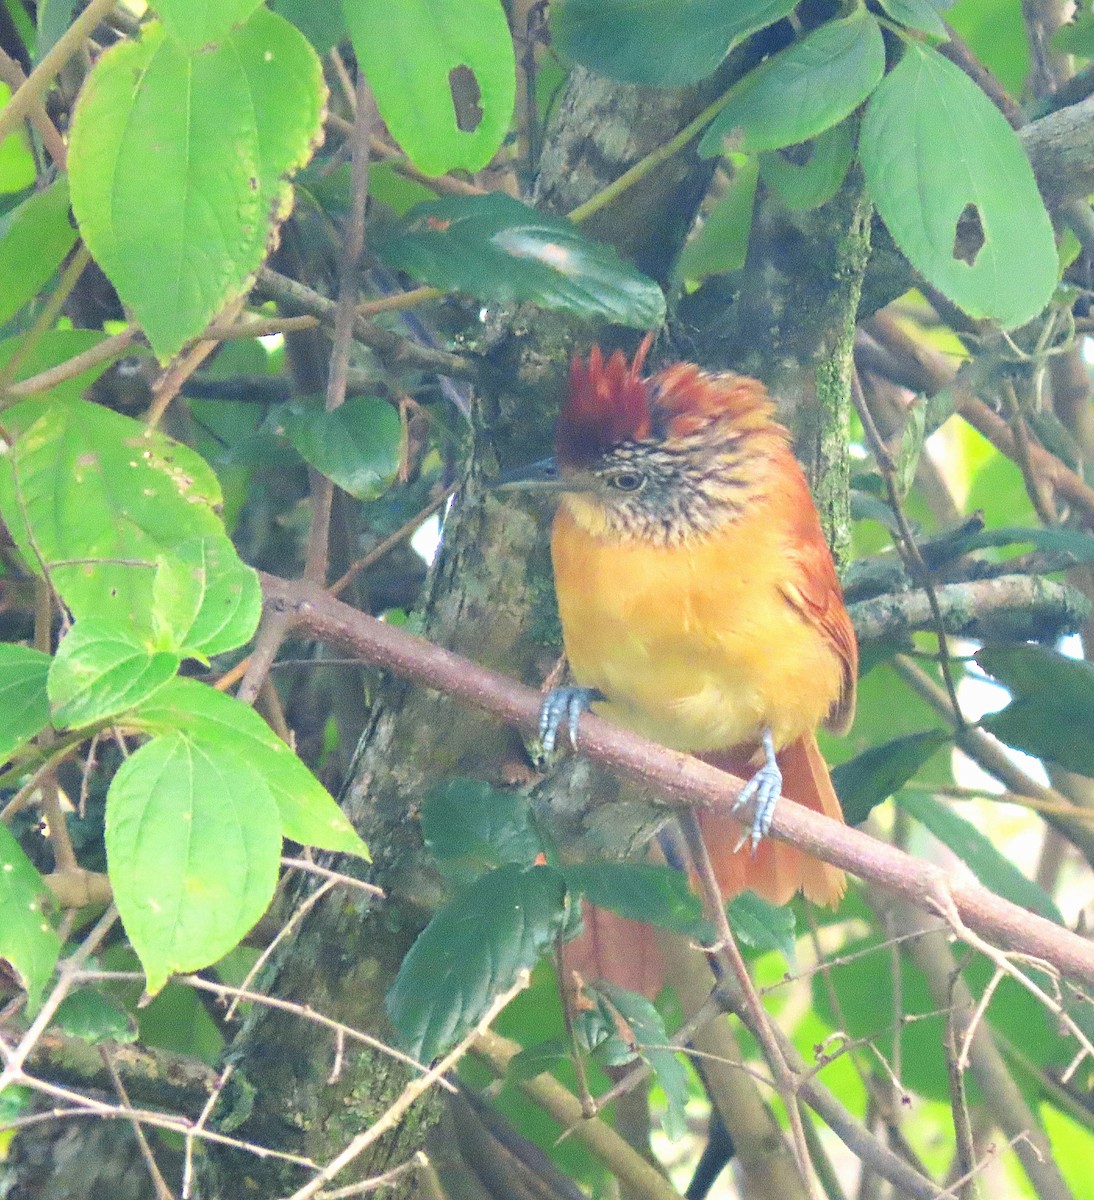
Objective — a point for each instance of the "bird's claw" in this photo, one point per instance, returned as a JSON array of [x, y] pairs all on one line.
[[766, 786], [564, 703]]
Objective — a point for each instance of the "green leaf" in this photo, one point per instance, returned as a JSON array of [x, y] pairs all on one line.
[[24, 705], [474, 948], [935, 151], [1074, 542], [664, 43], [97, 500], [177, 164], [809, 184], [917, 14], [535, 1060], [201, 24], [206, 597], [443, 74], [497, 249], [54, 347], [17, 166], [323, 23], [651, 1040], [803, 90], [193, 844], [469, 823], [102, 669], [1077, 36], [1053, 709], [28, 942], [93, 1017], [911, 446], [979, 854], [721, 244], [762, 926], [357, 446], [641, 892], [34, 239], [875, 774], [307, 810]]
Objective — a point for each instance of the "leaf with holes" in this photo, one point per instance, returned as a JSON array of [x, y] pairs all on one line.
[[193, 844], [994, 870], [803, 90], [443, 74], [205, 598], [101, 669], [28, 942], [497, 249], [307, 810], [950, 179], [663, 43], [357, 445], [474, 948], [94, 498], [24, 705], [178, 161]]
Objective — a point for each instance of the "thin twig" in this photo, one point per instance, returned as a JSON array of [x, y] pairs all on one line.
[[163, 1192]]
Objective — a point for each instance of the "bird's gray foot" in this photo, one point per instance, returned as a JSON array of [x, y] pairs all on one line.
[[766, 786], [564, 703]]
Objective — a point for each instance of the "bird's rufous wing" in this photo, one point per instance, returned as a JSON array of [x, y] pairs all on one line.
[[813, 588]]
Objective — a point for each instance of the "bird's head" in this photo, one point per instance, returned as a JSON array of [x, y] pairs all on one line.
[[666, 456]]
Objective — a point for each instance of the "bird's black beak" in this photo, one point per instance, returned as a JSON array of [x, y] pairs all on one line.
[[539, 476]]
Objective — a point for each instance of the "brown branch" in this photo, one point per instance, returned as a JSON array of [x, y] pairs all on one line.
[[680, 779]]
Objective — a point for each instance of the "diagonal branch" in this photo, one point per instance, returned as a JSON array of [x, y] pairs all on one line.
[[680, 779]]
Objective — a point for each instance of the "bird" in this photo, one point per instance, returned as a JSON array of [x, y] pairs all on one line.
[[699, 602]]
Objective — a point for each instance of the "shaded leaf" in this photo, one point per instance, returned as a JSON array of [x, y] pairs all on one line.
[[24, 705], [874, 775], [443, 74], [987, 863], [665, 43], [101, 669], [1053, 708], [762, 926], [357, 446], [936, 151], [34, 239], [28, 942], [497, 249], [816, 180], [721, 244], [177, 162], [94, 1017], [193, 844], [307, 810], [474, 948], [537, 1060], [911, 446], [651, 1041], [803, 90], [641, 892], [1076, 542], [468, 822], [917, 14]]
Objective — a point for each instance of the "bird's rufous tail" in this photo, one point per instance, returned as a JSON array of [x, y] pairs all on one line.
[[777, 870]]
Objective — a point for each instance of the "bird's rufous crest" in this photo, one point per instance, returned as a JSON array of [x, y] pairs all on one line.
[[609, 402]]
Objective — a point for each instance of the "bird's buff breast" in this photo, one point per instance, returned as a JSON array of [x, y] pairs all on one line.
[[695, 646]]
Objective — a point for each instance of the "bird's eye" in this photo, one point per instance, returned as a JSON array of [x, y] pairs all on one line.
[[628, 481]]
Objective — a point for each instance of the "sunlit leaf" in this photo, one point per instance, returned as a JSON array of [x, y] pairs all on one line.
[[28, 942], [497, 249], [443, 74], [178, 161]]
